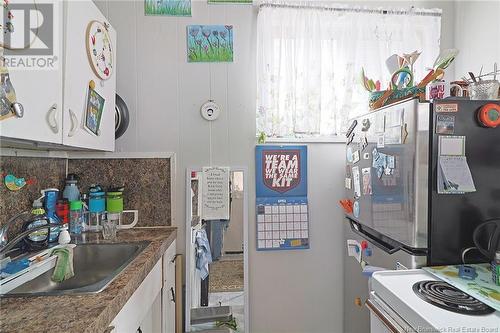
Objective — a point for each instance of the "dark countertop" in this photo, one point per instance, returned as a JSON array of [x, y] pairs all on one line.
[[92, 312]]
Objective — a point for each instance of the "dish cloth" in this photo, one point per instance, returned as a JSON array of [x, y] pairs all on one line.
[[64, 264]]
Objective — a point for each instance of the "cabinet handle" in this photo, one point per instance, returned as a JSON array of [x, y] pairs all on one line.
[[74, 123], [173, 294], [51, 118], [174, 258]]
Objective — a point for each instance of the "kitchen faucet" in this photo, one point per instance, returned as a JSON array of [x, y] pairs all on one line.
[[5, 245]]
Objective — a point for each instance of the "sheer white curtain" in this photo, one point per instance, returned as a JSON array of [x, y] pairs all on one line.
[[310, 55]]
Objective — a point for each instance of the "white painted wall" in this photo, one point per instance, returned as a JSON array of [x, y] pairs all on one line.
[[293, 291], [477, 36]]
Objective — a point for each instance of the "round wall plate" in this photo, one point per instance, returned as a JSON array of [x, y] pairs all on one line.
[[210, 111], [99, 49]]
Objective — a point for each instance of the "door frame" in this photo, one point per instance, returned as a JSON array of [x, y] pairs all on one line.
[[188, 208]]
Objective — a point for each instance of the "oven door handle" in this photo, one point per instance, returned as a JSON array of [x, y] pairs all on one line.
[[385, 319]]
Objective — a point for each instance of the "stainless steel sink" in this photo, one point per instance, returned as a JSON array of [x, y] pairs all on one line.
[[95, 267]]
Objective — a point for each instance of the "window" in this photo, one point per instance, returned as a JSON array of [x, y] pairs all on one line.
[[309, 62]]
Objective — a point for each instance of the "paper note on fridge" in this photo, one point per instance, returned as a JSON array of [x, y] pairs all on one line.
[[455, 175], [451, 145]]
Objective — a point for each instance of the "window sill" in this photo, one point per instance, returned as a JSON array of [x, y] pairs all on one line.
[[331, 139]]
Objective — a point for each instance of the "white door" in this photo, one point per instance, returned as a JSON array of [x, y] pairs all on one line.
[[79, 73], [36, 79]]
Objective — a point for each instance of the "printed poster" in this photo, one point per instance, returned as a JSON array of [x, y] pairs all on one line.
[[281, 197], [215, 193]]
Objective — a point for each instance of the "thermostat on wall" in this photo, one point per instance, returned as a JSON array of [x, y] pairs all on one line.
[[210, 110]]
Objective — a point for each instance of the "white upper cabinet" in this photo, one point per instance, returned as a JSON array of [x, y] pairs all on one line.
[[90, 57], [37, 84], [59, 107]]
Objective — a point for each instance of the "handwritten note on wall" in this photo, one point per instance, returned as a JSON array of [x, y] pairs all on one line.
[[215, 193]]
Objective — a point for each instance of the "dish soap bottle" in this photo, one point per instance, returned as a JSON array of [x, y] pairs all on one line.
[[50, 196], [39, 239]]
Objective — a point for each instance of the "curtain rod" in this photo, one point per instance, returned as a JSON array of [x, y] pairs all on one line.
[[411, 11]]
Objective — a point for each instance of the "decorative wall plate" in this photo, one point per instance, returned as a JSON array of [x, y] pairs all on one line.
[[100, 49]]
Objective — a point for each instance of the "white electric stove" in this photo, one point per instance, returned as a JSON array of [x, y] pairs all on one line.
[[401, 301]]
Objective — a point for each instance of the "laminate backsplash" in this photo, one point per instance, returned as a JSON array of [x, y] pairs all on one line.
[[147, 183], [41, 172]]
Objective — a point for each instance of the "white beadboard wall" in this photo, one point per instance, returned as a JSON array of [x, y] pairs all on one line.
[[292, 291]]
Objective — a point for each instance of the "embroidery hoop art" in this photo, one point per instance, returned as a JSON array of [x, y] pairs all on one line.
[[97, 37]]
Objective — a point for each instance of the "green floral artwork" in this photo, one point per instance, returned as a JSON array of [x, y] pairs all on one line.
[[168, 7], [210, 43]]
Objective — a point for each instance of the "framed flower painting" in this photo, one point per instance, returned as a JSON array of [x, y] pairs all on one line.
[[210, 43]]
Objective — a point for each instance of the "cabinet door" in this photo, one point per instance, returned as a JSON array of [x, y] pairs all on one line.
[[169, 292], [79, 73], [141, 308], [38, 87]]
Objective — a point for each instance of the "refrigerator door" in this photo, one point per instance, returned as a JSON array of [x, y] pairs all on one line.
[[387, 174], [455, 216], [356, 288]]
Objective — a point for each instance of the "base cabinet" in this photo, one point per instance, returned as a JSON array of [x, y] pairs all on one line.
[[151, 309]]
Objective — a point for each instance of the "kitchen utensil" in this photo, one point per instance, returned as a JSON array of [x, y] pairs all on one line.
[[109, 226], [122, 117]]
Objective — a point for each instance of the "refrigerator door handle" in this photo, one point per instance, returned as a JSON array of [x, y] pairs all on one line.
[[390, 249]]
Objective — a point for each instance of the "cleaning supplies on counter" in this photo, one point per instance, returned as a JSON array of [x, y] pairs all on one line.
[[38, 239], [75, 217], [15, 266], [71, 191], [64, 236], [50, 196], [64, 265]]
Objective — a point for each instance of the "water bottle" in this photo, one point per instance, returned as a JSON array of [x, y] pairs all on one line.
[[75, 217], [71, 191], [97, 207]]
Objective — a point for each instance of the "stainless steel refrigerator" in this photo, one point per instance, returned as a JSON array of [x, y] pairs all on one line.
[[398, 213]]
